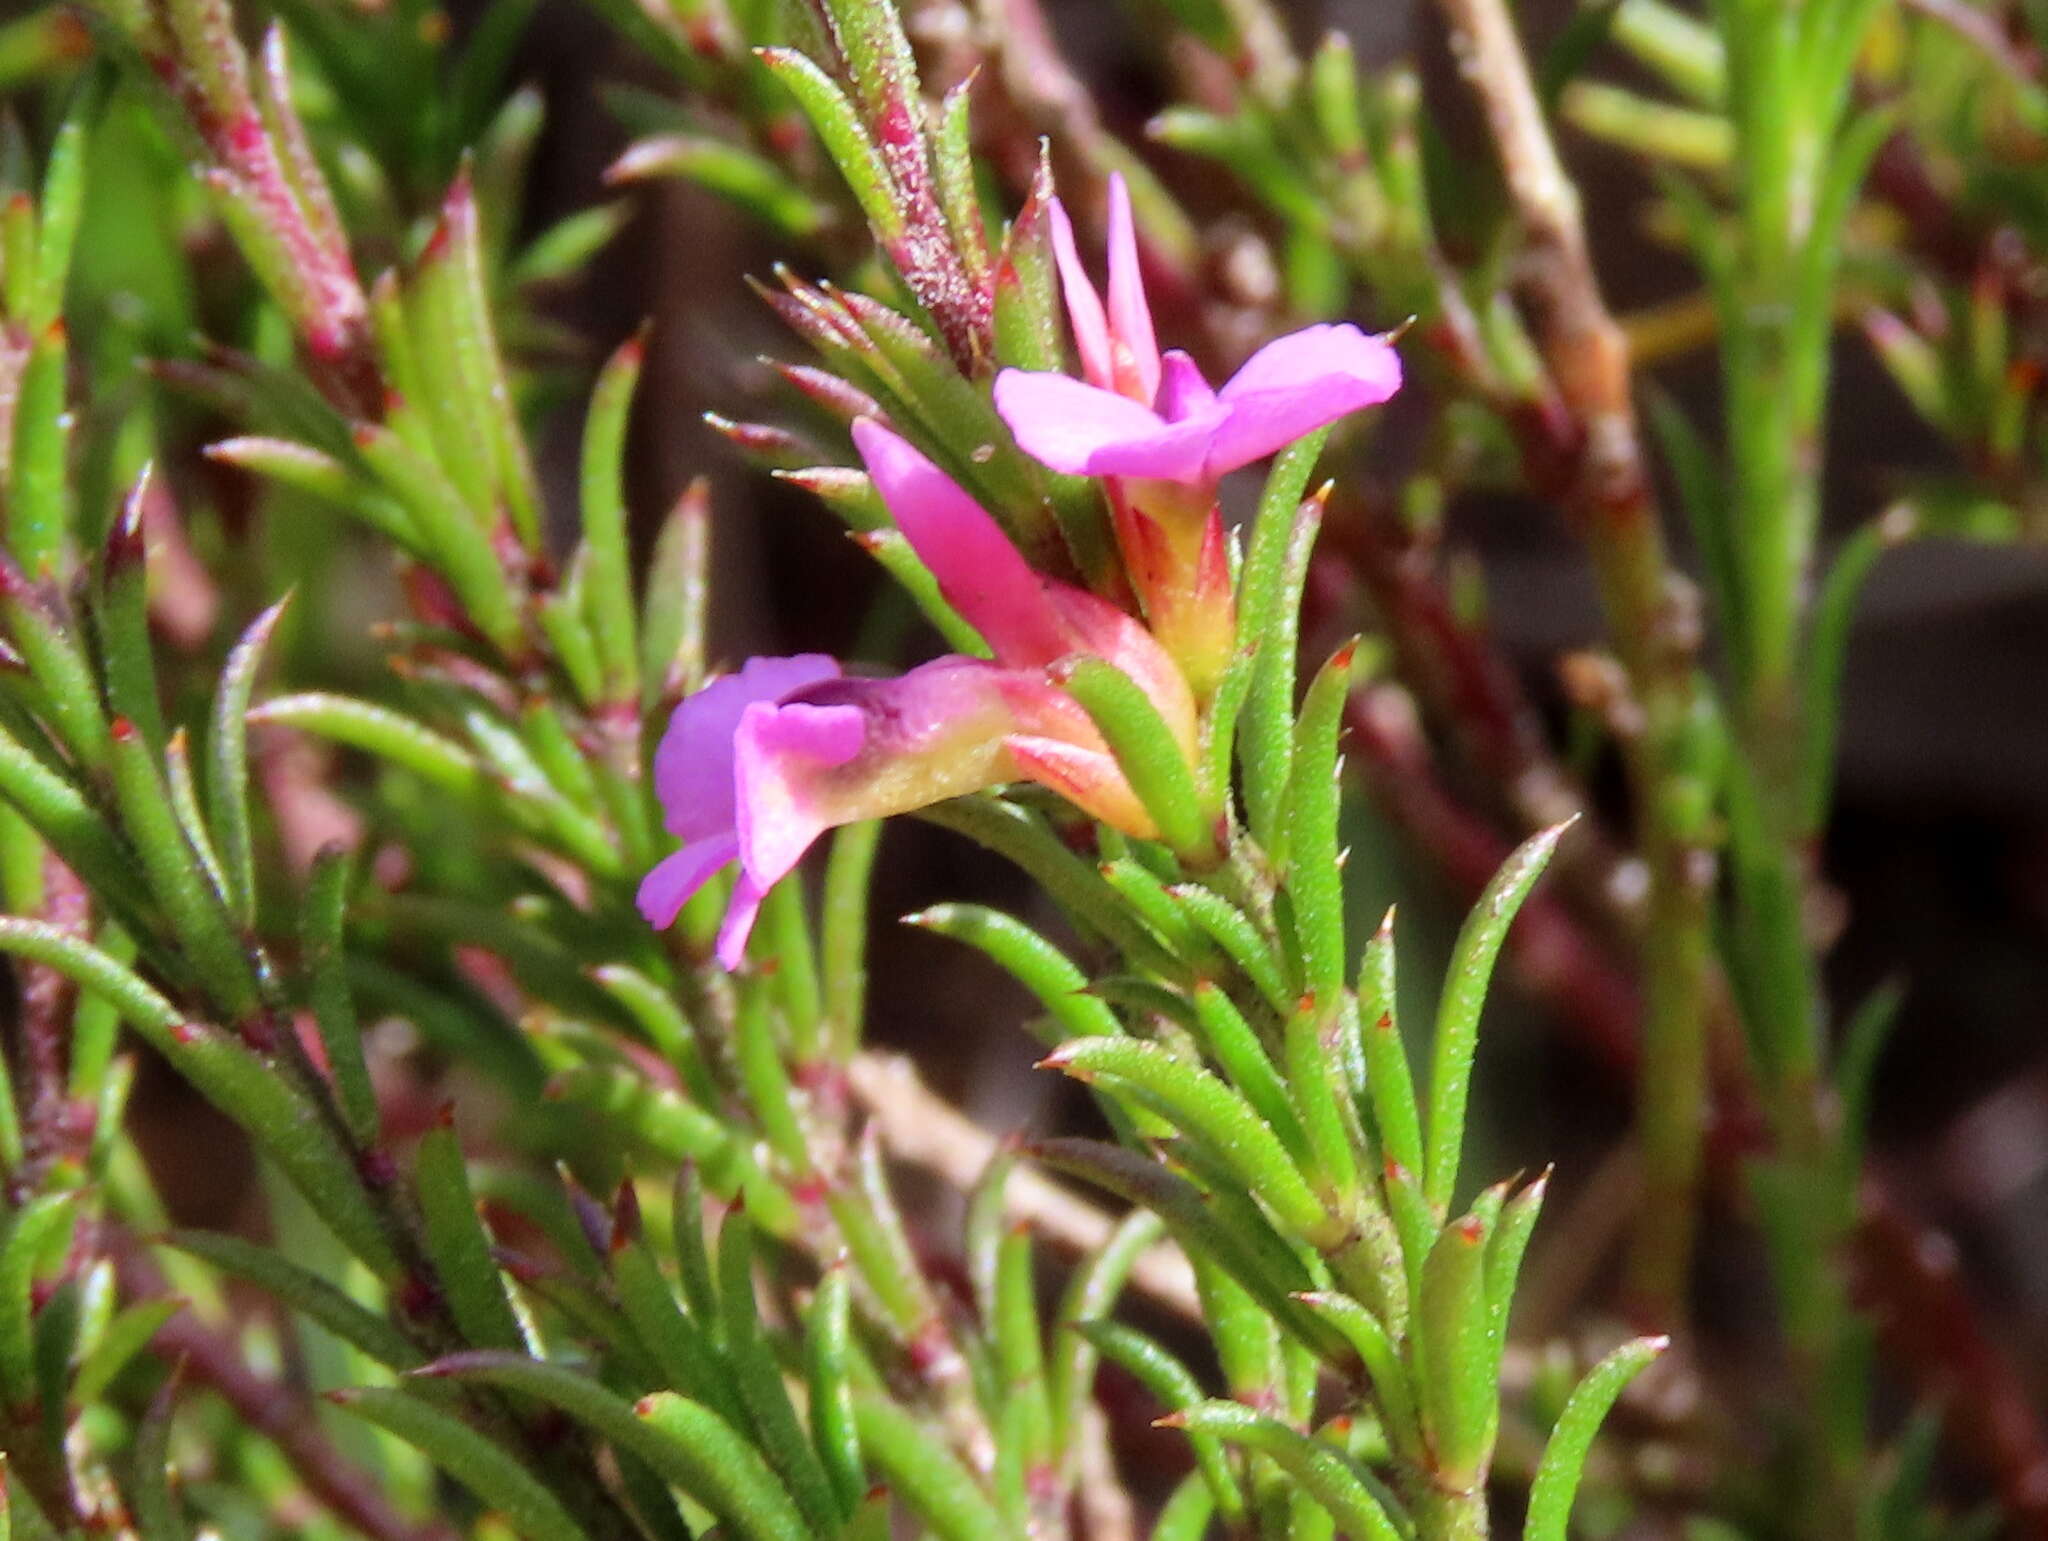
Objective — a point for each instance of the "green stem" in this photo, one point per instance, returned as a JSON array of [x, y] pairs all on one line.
[[1447, 1516]]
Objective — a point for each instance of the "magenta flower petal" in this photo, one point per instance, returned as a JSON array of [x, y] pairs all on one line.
[[1183, 393], [1297, 384], [774, 739], [852, 749], [1084, 431], [1134, 347], [981, 574], [676, 878], [693, 766], [1084, 305], [740, 914]]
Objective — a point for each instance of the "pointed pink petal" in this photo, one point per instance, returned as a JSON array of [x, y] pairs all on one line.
[[1084, 305], [738, 925], [1297, 384], [1183, 393], [981, 574], [693, 766], [666, 889], [1084, 431], [775, 831], [1130, 318]]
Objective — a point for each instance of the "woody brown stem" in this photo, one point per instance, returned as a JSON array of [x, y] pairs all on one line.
[[1603, 484]]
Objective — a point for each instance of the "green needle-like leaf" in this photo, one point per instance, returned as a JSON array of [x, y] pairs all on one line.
[[227, 785], [1564, 1458], [1464, 996], [683, 1441], [303, 1291], [1335, 1481], [608, 592], [459, 1245], [495, 1475], [1201, 1106]]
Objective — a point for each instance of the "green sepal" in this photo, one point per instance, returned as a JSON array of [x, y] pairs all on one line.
[[1145, 750]]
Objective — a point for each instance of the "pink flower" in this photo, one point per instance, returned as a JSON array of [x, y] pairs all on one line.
[[1145, 415], [1189, 433], [1027, 619], [757, 765]]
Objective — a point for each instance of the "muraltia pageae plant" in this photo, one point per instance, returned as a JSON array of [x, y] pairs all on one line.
[[647, 1276]]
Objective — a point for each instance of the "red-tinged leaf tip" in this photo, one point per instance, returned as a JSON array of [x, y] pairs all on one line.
[[343, 1396], [123, 730], [363, 435], [644, 1408], [1470, 1229], [1341, 659], [56, 334], [1394, 1171], [188, 1032], [444, 1116], [438, 243], [1305, 1005], [1321, 496], [18, 204], [520, 1267]]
